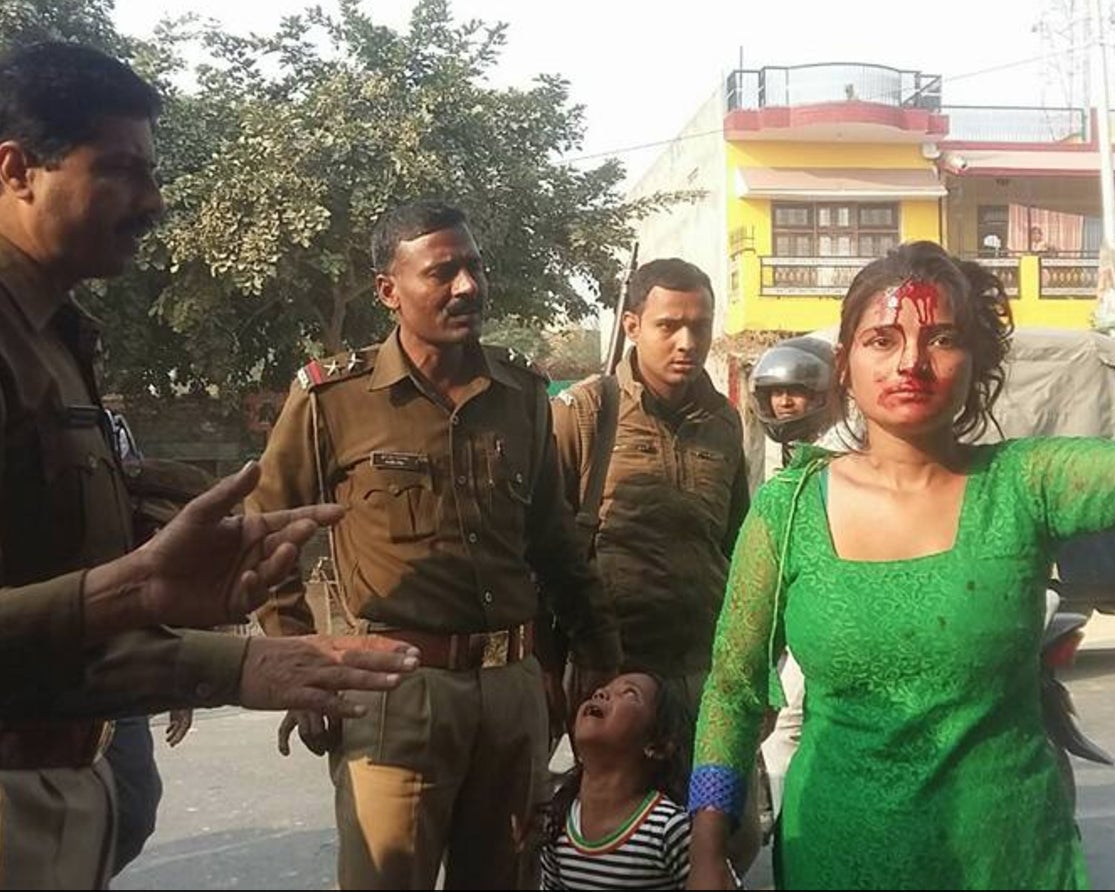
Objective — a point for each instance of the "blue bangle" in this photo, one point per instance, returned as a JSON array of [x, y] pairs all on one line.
[[718, 788]]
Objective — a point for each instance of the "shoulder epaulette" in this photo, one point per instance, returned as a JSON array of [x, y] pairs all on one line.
[[587, 389], [513, 357], [340, 367]]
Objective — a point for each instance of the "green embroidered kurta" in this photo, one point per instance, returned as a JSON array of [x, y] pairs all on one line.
[[923, 761]]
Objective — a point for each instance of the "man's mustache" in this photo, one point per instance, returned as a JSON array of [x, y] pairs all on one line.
[[465, 307]]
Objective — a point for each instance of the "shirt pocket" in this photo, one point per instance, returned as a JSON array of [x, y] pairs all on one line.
[[83, 493], [405, 498], [709, 477], [635, 457], [508, 484]]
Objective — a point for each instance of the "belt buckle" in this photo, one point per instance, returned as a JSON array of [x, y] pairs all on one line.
[[497, 648]]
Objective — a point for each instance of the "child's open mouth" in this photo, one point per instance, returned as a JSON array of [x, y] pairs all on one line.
[[594, 709]]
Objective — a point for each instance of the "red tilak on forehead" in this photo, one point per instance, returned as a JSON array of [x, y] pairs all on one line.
[[923, 295]]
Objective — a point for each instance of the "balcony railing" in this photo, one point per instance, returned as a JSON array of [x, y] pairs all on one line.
[[1061, 277], [832, 82], [1064, 277], [1006, 268], [1016, 124], [809, 276]]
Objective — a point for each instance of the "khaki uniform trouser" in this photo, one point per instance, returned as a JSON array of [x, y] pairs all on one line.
[[747, 840], [448, 765], [56, 828]]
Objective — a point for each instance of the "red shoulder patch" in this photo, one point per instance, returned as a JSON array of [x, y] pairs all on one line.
[[310, 374]]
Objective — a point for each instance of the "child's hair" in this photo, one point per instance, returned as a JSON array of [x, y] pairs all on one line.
[[672, 732]]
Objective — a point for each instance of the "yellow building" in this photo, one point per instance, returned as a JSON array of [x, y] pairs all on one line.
[[825, 167]]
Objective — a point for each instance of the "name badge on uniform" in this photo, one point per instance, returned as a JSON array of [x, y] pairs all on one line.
[[82, 416], [400, 461]]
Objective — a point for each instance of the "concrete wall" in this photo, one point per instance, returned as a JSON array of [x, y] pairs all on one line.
[[693, 230]]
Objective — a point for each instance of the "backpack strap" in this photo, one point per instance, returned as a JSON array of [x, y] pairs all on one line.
[[603, 443]]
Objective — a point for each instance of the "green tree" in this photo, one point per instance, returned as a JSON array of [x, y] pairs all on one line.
[[267, 244], [141, 348], [284, 151], [85, 21], [564, 352]]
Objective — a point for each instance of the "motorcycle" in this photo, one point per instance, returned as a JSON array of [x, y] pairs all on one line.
[[1063, 633]]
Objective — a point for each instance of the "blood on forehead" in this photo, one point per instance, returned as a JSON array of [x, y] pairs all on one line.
[[924, 296]]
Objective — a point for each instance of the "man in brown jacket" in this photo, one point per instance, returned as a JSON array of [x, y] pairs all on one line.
[[442, 450], [76, 191], [674, 489]]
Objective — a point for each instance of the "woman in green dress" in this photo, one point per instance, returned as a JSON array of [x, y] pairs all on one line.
[[907, 575]]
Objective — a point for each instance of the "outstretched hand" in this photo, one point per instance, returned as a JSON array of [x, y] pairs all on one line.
[[311, 672], [206, 568]]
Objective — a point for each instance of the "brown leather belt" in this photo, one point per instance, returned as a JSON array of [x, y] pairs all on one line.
[[467, 652], [30, 746]]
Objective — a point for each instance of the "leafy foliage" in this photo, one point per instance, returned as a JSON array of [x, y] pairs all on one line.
[[86, 21], [283, 153]]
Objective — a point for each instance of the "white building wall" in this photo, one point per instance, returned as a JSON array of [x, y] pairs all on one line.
[[697, 231]]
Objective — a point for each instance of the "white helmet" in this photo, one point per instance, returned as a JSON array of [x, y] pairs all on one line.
[[798, 362]]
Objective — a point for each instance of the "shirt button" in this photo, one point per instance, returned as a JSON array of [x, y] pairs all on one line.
[[488, 598], [92, 461], [454, 420], [204, 690], [518, 478], [462, 479], [472, 538]]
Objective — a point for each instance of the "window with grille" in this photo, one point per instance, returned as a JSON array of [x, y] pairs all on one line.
[[845, 229]]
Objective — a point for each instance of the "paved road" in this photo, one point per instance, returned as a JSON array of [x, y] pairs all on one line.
[[237, 815]]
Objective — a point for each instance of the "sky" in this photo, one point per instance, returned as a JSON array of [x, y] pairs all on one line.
[[642, 74]]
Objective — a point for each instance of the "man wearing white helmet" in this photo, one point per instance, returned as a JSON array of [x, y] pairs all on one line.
[[789, 393]]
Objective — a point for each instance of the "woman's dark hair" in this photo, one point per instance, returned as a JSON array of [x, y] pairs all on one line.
[[979, 303], [671, 734]]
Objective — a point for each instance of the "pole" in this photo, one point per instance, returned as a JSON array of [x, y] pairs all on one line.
[[1103, 126], [1103, 317], [615, 343]]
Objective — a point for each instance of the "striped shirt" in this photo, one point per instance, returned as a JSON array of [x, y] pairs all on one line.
[[649, 851]]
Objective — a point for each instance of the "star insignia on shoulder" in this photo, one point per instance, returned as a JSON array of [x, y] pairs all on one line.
[[353, 363], [332, 367], [519, 358]]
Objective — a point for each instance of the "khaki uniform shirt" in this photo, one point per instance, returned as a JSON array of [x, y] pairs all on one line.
[[64, 508], [452, 510], [674, 498]]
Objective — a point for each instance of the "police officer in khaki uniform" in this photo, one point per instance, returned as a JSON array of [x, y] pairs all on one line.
[[76, 190], [443, 453], [674, 485]]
